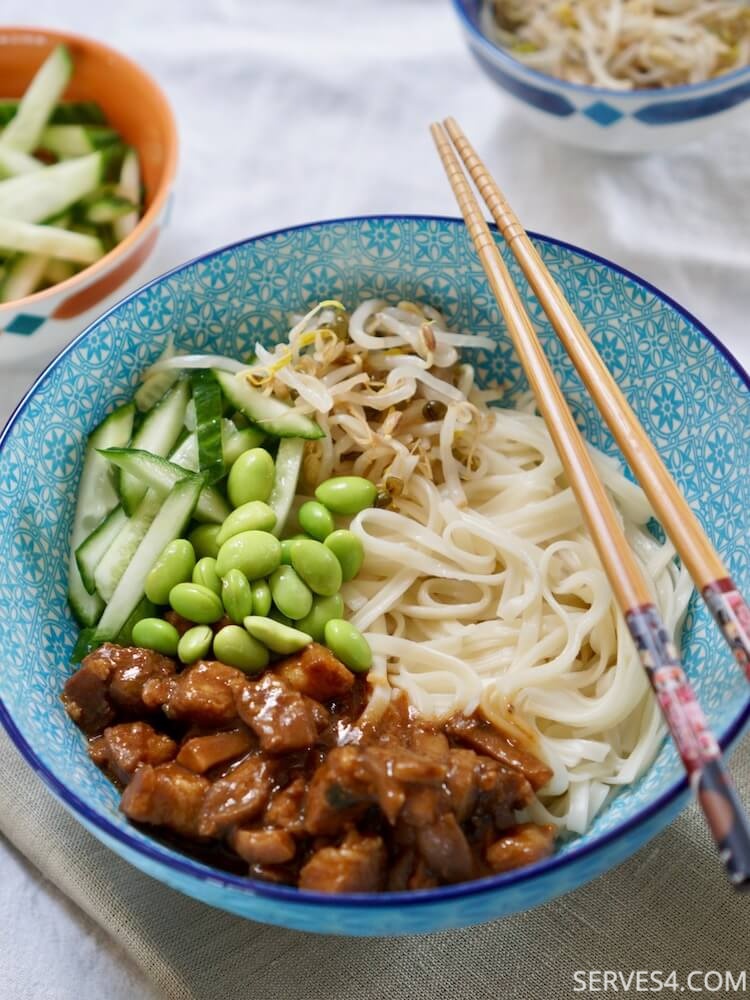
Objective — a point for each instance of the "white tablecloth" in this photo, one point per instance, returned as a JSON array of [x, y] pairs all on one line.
[[294, 110]]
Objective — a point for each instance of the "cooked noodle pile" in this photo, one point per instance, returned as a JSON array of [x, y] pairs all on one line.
[[624, 44], [480, 585]]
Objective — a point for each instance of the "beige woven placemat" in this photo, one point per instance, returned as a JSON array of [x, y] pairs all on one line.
[[669, 907]]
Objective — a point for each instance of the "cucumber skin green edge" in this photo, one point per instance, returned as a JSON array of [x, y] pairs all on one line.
[[120, 420], [190, 486]]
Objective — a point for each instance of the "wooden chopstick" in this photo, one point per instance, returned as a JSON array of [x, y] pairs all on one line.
[[711, 576], [695, 743]]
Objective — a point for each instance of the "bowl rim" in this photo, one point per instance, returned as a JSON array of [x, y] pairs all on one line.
[[640, 93], [161, 192], [185, 865]]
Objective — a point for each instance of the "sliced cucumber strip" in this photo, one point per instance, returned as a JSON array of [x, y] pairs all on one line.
[[23, 275], [96, 497], [27, 237], [168, 524], [157, 434], [92, 549], [76, 140], [186, 453], [35, 107], [86, 643], [63, 113], [234, 442], [269, 413], [208, 410], [107, 209], [143, 609], [129, 187], [288, 465], [160, 475], [155, 386], [13, 162], [38, 196], [58, 270], [117, 558]]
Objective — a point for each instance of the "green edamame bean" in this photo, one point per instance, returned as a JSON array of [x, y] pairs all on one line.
[[323, 610], [275, 636], [346, 494], [256, 553], [316, 520], [195, 644], [251, 477], [318, 567], [156, 634], [261, 597], [203, 539], [236, 595], [233, 645], [349, 551], [174, 565], [196, 603], [348, 644], [277, 616], [291, 596], [251, 516], [286, 550], [237, 444], [205, 574]]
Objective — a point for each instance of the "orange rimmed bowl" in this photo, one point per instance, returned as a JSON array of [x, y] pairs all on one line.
[[137, 108]]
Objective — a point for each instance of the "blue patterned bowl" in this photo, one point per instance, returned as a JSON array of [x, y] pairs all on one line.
[[611, 121], [691, 395]]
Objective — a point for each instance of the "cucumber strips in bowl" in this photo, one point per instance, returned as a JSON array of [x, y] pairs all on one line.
[[70, 188], [210, 469]]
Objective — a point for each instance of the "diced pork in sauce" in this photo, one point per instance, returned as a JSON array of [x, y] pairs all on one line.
[[276, 773]]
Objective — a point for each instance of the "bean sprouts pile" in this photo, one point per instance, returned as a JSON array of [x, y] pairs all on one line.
[[480, 586], [624, 44]]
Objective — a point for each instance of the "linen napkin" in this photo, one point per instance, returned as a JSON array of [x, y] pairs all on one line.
[[669, 908]]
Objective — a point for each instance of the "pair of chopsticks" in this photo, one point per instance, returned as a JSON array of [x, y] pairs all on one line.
[[695, 743]]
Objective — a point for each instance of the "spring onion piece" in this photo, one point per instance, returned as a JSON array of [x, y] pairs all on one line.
[[208, 415]]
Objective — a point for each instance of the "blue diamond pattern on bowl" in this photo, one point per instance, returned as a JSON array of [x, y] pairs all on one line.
[[693, 400], [603, 113], [24, 324]]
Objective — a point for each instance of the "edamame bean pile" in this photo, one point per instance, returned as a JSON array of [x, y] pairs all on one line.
[[264, 597], [199, 522]]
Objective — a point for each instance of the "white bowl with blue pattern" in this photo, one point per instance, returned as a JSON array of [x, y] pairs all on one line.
[[610, 121], [692, 397]]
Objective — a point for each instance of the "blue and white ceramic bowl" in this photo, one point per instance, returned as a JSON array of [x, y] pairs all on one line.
[[610, 121], [691, 396]]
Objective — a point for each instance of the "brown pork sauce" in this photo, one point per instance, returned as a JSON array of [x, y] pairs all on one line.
[[276, 777]]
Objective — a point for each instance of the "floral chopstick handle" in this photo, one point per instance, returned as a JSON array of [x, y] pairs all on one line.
[[732, 615], [694, 740]]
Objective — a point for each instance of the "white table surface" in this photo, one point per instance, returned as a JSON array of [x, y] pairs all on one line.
[[294, 110]]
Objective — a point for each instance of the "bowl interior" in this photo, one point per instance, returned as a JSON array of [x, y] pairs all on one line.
[[692, 400], [132, 102]]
